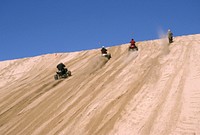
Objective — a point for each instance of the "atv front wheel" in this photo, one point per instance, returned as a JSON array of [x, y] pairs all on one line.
[[69, 73]]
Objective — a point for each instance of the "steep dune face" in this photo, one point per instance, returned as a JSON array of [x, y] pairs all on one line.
[[155, 91]]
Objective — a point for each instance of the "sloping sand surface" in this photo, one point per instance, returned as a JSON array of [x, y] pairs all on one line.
[[155, 91]]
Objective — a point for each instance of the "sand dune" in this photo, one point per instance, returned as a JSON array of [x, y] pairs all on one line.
[[155, 91]]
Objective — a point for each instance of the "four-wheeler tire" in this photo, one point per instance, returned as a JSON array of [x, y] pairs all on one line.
[[56, 77]]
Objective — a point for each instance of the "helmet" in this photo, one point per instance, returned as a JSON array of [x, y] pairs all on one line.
[[103, 46], [169, 30]]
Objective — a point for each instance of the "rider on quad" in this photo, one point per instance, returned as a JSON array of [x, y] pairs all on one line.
[[61, 68], [62, 72], [170, 36], [132, 45], [104, 52]]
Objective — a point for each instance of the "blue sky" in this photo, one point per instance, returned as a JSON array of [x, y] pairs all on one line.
[[34, 27]]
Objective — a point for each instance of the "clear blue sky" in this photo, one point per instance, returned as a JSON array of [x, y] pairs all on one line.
[[34, 27]]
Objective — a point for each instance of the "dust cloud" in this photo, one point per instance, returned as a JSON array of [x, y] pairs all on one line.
[[164, 42], [130, 56], [95, 64]]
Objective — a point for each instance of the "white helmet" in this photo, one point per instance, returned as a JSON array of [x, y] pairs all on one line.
[[169, 30], [103, 46]]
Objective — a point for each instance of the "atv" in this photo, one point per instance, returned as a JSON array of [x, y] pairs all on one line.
[[133, 48], [107, 55], [62, 74]]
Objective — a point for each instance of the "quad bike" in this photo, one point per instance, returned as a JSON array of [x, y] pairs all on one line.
[[133, 48], [62, 74], [107, 55]]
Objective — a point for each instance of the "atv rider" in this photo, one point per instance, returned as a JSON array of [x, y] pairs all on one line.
[[103, 50], [170, 36], [61, 68], [132, 45]]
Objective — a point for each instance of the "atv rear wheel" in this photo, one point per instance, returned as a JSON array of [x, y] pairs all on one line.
[[56, 77], [133, 49]]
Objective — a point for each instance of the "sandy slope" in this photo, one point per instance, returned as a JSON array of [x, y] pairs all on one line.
[[155, 91]]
